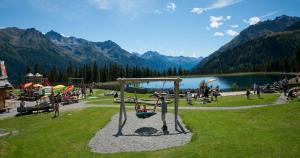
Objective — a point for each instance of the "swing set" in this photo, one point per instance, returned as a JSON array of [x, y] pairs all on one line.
[[144, 113]]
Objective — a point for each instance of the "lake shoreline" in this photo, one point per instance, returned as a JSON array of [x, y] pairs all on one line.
[[241, 74], [111, 84]]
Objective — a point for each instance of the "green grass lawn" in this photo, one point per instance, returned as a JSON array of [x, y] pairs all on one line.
[[227, 101], [261, 132], [239, 100]]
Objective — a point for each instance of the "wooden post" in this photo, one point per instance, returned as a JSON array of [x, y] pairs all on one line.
[[122, 107], [176, 89]]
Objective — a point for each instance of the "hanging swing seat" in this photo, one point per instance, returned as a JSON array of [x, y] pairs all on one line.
[[144, 115]]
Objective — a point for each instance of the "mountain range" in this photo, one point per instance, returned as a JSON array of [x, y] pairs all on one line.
[[266, 46], [20, 48], [256, 47], [164, 61]]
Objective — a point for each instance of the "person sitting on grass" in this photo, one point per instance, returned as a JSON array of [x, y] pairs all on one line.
[[248, 93], [116, 95], [291, 95]]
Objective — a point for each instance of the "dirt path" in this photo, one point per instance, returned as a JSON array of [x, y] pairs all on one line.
[[81, 105]]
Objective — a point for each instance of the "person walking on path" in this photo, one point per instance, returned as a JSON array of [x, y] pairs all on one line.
[[22, 106], [216, 92], [254, 88], [285, 86], [258, 91], [56, 108], [91, 90], [248, 93], [83, 92], [164, 110]]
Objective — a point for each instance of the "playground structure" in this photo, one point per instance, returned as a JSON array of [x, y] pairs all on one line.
[[122, 112]]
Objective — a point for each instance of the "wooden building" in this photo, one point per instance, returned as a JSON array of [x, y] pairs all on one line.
[[5, 88]]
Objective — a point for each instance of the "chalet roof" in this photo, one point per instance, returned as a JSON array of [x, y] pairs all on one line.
[[38, 75], [29, 75], [5, 84]]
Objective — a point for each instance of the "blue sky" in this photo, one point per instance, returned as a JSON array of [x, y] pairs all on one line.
[[171, 27]]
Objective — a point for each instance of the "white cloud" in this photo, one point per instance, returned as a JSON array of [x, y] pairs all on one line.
[[234, 26], [218, 4], [253, 20], [269, 14], [231, 32], [218, 34], [197, 10], [207, 28], [216, 21], [171, 7]]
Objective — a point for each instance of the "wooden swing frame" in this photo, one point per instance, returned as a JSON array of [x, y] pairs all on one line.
[[124, 81]]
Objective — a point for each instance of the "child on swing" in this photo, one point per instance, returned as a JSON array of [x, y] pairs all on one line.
[[139, 109]]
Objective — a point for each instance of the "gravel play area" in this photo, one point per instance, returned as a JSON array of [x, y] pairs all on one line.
[[138, 135]]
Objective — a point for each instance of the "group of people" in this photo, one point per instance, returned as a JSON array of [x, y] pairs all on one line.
[[281, 85], [256, 90], [56, 99], [208, 93]]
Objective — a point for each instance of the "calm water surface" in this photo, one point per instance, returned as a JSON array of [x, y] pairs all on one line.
[[224, 82]]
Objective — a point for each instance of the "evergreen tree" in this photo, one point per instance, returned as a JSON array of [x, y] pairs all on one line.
[[95, 72], [37, 68], [28, 69], [297, 59], [180, 72]]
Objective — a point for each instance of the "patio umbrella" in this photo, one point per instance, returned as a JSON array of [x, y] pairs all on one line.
[[27, 85], [59, 87], [211, 80], [37, 85], [68, 89]]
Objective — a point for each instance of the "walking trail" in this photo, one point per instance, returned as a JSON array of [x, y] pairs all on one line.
[[281, 100]]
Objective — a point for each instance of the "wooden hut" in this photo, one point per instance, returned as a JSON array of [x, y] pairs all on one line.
[[36, 79], [5, 87]]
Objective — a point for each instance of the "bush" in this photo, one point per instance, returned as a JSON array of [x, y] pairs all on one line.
[[234, 87]]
